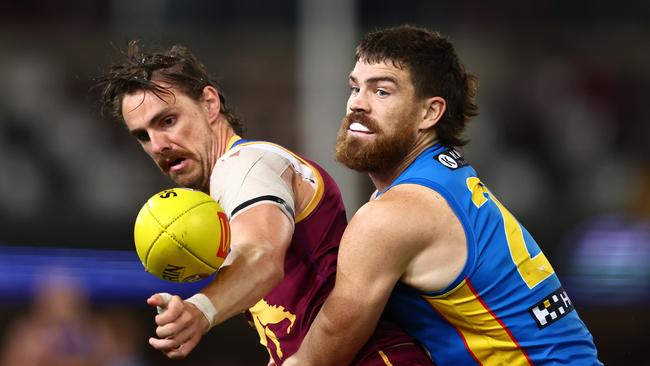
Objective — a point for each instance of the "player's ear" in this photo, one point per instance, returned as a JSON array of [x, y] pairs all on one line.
[[211, 102], [433, 110]]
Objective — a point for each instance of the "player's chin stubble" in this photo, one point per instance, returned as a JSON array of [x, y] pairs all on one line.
[[384, 153]]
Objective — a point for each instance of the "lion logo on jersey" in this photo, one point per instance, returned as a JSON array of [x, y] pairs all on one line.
[[265, 315]]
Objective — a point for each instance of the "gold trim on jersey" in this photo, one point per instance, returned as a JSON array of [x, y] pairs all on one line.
[[486, 337], [385, 358], [233, 139], [320, 183]]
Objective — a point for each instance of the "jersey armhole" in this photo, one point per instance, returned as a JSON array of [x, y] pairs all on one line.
[[470, 239]]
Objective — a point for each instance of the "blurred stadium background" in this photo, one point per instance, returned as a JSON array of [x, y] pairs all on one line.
[[563, 139]]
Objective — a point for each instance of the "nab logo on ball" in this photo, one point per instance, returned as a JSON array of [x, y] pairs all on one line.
[[173, 273], [181, 235]]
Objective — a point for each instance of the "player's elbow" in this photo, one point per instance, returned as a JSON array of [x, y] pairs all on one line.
[[334, 322], [349, 320], [268, 265], [342, 341], [275, 271], [331, 326]]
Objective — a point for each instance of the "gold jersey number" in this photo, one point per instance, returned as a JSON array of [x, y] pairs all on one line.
[[533, 270]]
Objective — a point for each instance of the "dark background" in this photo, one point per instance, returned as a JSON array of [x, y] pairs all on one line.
[[563, 138]]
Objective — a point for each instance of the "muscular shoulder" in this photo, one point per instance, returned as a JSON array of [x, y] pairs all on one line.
[[413, 229], [408, 206], [402, 218]]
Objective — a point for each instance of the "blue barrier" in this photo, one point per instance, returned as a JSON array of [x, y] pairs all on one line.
[[107, 276]]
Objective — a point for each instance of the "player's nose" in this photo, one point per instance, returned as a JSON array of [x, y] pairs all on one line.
[[159, 142], [358, 103]]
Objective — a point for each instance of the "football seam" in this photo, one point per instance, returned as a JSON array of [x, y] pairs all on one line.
[[164, 230]]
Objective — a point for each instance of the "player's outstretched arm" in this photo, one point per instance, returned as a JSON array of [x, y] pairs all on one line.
[[373, 255], [260, 238]]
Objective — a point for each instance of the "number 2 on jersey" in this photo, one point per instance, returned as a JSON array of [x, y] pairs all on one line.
[[533, 270]]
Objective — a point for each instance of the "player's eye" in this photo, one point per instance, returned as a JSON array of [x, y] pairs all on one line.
[[354, 89], [168, 121], [382, 93]]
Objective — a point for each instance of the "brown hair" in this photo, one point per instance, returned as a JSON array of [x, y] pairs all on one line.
[[138, 70], [435, 71]]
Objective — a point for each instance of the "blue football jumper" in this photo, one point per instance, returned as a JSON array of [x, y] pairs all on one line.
[[507, 306]]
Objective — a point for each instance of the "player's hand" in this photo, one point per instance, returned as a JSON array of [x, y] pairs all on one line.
[[180, 325]]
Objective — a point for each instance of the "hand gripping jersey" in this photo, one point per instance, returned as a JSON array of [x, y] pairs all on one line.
[[507, 306], [282, 318]]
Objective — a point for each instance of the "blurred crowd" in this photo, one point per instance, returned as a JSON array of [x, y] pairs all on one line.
[[62, 328], [563, 133]]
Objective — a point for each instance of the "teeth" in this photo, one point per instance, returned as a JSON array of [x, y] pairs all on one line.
[[358, 127]]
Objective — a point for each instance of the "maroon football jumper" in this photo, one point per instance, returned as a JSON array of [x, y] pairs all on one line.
[[283, 317]]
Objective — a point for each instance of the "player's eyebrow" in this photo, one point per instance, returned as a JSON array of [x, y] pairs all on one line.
[[374, 80]]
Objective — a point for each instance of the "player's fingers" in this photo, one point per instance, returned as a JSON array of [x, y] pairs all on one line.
[[159, 299], [168, 330], [182, 327], [182, 332], [165, 344], [182, 351], [172, 311], [179, 345]]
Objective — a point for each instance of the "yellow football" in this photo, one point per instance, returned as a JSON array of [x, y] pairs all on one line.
[[181, 235]]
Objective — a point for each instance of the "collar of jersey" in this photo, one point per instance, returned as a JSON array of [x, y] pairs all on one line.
[[234, 140]]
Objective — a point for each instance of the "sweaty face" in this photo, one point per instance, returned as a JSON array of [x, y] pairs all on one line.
[[174, 131], [379, 128]]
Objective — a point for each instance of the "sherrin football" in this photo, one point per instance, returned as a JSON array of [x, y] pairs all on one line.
[[181, 235]]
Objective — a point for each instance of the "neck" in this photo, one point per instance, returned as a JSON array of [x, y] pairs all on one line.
[[222, 133], [383, 179]]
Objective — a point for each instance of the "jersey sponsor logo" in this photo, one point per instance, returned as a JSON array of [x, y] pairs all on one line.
[[451, 159], [553, 308]]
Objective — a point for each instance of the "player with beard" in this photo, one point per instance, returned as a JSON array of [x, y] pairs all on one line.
[[286, 213], [434, 249]]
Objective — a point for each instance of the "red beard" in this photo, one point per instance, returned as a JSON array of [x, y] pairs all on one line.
[[384, 153]]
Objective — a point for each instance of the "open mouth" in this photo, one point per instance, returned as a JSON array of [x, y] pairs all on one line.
[[176, 164], [358, 127]]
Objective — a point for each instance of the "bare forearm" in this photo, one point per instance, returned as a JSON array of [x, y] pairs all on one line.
[[323, 346], [337, 334], [255, 264], [241, 284]]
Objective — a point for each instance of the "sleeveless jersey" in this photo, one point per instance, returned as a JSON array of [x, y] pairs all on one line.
[[283, 317], [507, 306]]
